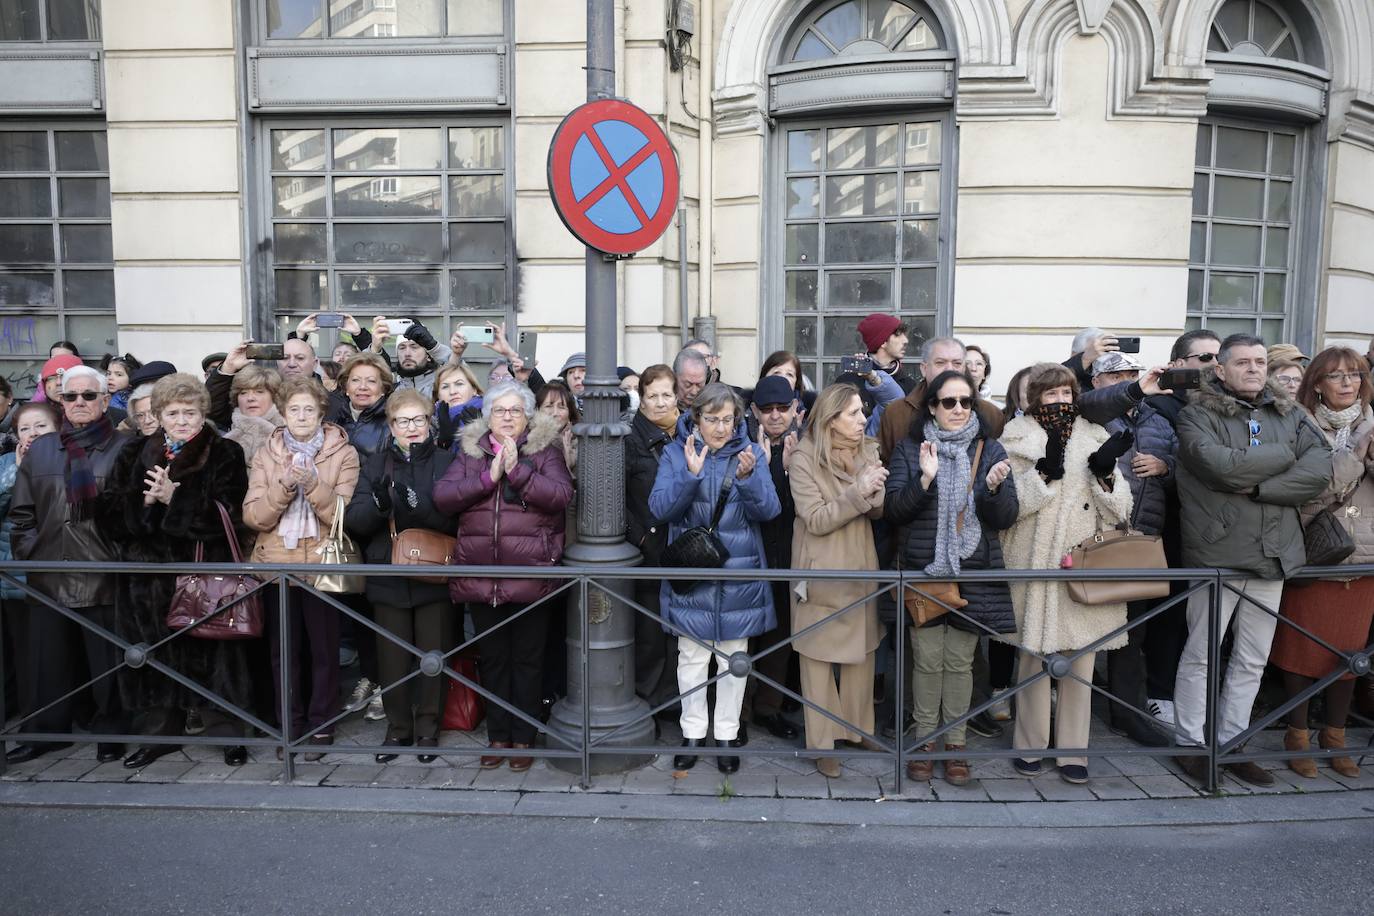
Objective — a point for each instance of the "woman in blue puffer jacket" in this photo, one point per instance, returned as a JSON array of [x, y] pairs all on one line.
[[712, 446]]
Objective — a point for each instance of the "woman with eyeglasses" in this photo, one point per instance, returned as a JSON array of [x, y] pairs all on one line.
[[1068, 488], [950, 493], [711, 448], [510, 488], [396, 492], [141, 420], [1337, 392], [1288, 373]]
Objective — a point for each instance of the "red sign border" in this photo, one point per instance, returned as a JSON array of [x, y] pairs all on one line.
[[578, 122]]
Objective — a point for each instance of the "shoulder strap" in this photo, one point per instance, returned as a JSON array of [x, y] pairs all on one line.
[[725, 486], [229, 533], [972, 476]]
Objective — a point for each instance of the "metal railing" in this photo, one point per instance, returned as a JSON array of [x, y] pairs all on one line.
[[588, 580]]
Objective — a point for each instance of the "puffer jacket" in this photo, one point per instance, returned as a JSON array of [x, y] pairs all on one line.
[[369, 433], [41, 528], [417, 471], [1240, 501], [917, 513], [1154, 435], [9, 472], [336, 468], [718, 611], [516, 521], [1350, 495], [643, 452]]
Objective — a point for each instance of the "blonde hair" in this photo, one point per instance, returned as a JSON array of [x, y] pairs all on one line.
[[255, 378], [368, 358], [830, 403], [179, 387], [407, 397], [298, 385], [451, 368]]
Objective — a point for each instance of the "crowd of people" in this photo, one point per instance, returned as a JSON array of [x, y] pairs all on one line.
[[896, 463]]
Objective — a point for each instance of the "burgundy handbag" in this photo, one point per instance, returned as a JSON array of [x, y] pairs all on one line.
[[463, 708], [198, 596]]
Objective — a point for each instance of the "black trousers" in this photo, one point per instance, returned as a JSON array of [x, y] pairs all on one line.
[[15, 616], [511, 666], [655, 649], [364, 640], [59, 654], [313, 665], [416, 708], [778, 665]]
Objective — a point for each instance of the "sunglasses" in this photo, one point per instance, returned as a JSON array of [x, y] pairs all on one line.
[[775, 408], [71, 396], [949, 403], [1254, 432], [1203, 358]]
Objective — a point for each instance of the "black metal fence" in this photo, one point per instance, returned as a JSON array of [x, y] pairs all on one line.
[[601, 581]]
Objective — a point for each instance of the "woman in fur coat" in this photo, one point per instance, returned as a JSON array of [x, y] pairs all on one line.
[[1069, 488]]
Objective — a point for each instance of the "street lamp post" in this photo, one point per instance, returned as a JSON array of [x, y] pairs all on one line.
[[607, 697]]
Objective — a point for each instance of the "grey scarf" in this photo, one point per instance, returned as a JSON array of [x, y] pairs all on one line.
[[298, 522], [955, 496], [1340, 421]]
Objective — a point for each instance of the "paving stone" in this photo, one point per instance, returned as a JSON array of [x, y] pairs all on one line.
[[813, 786], [401, 777], [254, 772], [1360, 782], [648, 781], [973, 792], [22, 772], [855, 786], [1138, 765], [754, 785], [67, 770], [1323, 782], [1011, 790], [503, 779], [449, 778], [544, 778], [354, 774], [163, 770], [308, 774], [1115, 788], [1052, 788], [208, 771], [703, 779], [912, 790], [113, 771], [1167, 786]]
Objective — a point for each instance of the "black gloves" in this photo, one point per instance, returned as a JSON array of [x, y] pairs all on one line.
[[420, 334], [1102, 461], [1052, 465], [381, 495]]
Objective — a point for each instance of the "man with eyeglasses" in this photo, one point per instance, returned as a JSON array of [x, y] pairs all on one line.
[[1248, 458], [53, 514]]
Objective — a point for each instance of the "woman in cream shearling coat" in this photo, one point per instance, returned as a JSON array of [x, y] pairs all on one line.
[[1069, 489]]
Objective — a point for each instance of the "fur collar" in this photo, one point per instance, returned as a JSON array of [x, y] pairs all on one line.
[[1216, 399], [539, 435], [190, 460], [253, 432]]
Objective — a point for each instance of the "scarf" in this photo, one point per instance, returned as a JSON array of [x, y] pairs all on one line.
[[171, 448], [669, 421], [455, 412], [80, 478], [1055, 419], [298, 522], [1340, 421], [954, 542]]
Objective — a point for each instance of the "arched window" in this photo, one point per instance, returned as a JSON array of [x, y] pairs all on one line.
[[859, 223], [1257, 169]]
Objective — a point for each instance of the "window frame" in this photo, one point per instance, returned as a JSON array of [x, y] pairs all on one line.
[[261, 38], [800, 25], [46, 42]]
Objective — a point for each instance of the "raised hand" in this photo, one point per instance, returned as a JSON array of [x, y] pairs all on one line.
[[696, 460], [457, 343], [309, 325], [350, 325], [997, 474], [236, 359], [789, 445], [498, 464], [766, 444], [929, 461], [1102, 461], [380, 332], [747, 460]]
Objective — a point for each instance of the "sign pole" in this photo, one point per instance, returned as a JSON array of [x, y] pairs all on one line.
[[607, 699]]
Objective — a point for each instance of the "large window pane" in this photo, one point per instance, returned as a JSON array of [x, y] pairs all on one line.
[[299, 243], [86, 244], [302, 290], [26, 243], [1239, 197], [923, 143], [475, 17], [803, 150], [477, 195], [861, 195], [476, 148], [399, 243], [870, 290], [88, 289], [1241, 149], [1236, 245], [373, 148], [800, 294], [93, 333], [374, 292], [20, 21], [84, 197], [73, 20], [298, 150], [294, 18], [803, 198], [803, 244], [23, 334], [386, 18], [30, 289], [799, 335], [23, 151], [919, 289], [861, 147], [82, 151], [392, 197], [860, 243], [477, 242], [26, 198], [841, 335], [477, 290], [298, 197], [1232, 291], [920, 240], [922, 194]]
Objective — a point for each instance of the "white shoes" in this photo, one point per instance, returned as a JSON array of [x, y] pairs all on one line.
[[362, 694], [375, 710], [1000, 711], [1163, 710]]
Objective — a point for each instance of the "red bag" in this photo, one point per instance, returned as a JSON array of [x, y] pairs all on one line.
[[199, 595], [463, 710]]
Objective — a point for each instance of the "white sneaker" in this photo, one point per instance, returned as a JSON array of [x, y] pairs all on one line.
[[375, 710], [362, 694], [1163, 710], [1000, 710]]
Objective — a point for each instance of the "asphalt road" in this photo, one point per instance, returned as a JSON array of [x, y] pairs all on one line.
[[150, 861]]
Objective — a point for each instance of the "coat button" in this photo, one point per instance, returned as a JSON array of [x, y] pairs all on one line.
[[1086, 507]]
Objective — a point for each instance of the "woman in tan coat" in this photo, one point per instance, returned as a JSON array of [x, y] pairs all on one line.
[[295, 488], [837, 486]]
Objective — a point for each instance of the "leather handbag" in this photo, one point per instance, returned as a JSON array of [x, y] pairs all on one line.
[[421, 547], [1327, 541], [216, 602], [700, 547], [939, 597], [1115, 548], [463, 708], [338, 550]]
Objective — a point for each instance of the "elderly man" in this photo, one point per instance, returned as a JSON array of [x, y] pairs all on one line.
[[939, 354], [1248, 457], [692, 372], [712, 357], [53, 517]]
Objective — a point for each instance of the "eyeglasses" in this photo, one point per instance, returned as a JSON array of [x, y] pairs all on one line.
[[1254, 432], [71, 396], [775, 408], [410, 422], [948, 403], [728, 420], [303, 410], [507, 411], [1337, 378], [1201, 357]]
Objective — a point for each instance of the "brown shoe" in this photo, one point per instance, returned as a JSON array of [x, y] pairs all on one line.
[[1330, 739], [957, 772], [318, 741], [1195, 768], [829, 767], [521, 764], [1253, 773], [491, 763], [1295, 739], [921, 770]]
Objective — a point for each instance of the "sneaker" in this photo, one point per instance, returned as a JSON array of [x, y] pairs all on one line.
[[362, 694], [375, 710], [981, 724], [1163, 710], [1074, 773], [1026, 767], [348, 656], [1000, 711]]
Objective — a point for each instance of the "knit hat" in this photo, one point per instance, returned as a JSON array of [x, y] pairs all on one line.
[[1287, 351], [773, 389], [1116, 362], [59, 364], [576, 361], [151, 372], [877, 328]]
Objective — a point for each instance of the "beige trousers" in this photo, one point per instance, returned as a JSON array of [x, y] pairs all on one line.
[[851, 700], [1073, 711]]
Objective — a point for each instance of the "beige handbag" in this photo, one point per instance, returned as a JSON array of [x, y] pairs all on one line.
[[338, 550], [1115, 548]]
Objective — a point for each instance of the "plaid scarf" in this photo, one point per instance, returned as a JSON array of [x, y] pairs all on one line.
[[80, 478]]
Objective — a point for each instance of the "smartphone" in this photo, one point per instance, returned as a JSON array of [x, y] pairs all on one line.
[[529, 343], [329, 320], [477, 333], [1128, 344], [1180, 379], [265, 351], [860, 365], [396, 327]]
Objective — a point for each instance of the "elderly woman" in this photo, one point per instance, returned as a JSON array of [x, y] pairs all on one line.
[[950, 510], [256, 417], [511, 489], [457, 403], [712, 450], [397, 491], [1288, 373], [1337, 392], [159, 503], [141, 420], [297, 480], [837, 486], [1068, 488]]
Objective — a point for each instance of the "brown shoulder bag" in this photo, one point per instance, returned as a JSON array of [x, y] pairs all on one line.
[[937, 598]]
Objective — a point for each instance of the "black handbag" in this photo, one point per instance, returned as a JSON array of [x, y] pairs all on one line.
[[1326, 540], [700, 547]]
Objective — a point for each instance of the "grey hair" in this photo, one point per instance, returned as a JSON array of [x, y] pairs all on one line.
[[142, 391], [697, 341], [929, 346], [716, 395], [684, 357], [76, 372], [504, 388], [1227, 345], [1085, 337]]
